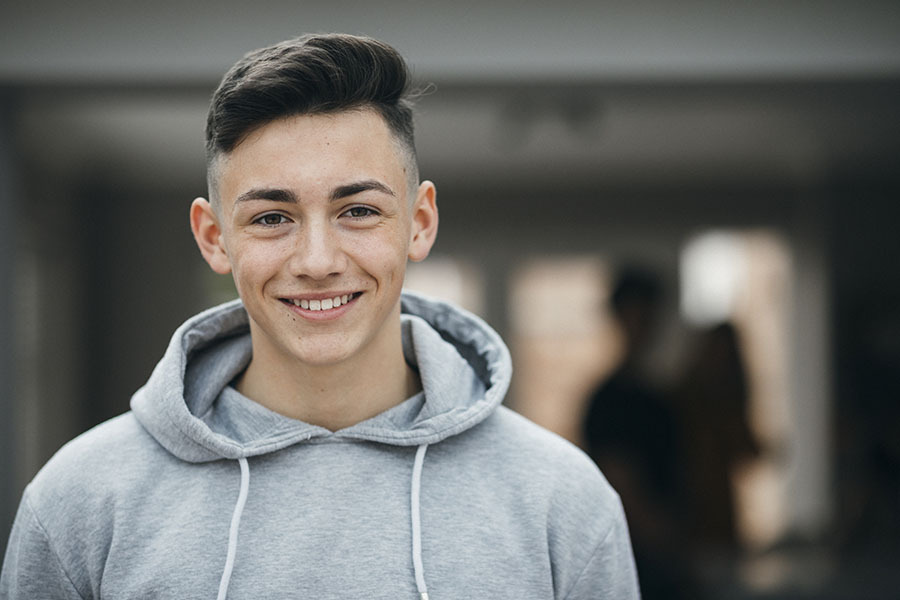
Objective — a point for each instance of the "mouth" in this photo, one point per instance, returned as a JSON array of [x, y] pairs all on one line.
[[322, 304]]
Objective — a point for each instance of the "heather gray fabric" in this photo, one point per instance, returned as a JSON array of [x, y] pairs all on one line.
[[141, 506]]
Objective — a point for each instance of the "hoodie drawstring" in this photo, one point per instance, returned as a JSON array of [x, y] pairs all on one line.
[[235, 524], [414, 510], [417, 522]]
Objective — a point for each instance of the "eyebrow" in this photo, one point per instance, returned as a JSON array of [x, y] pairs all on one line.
[[273, 194], [357, 187], [342, 191]]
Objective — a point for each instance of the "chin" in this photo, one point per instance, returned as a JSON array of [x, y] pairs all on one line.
[[321, 353]]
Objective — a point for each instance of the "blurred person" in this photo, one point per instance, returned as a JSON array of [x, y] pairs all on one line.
[[279, 447], [631, 431], [712, 404]]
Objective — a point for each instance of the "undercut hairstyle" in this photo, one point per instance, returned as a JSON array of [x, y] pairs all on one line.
[[311, 75]]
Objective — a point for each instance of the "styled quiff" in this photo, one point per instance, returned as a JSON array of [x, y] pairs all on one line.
[[310, 75]]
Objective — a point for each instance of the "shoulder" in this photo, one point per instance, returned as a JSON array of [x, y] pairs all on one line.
[[533, 460], [539, 450], [552, 485], [587, 535], [69, 509], [93, 466]]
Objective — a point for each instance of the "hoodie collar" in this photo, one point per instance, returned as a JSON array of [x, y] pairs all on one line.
[[189, 408]]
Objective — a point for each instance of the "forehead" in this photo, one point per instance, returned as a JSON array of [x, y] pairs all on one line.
[[312, 149]]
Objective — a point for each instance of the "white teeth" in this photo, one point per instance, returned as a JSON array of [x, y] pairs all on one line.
[[324, 304]]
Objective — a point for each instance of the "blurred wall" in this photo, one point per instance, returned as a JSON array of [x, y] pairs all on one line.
[[8, 398]]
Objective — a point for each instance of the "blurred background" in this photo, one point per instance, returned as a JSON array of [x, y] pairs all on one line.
[[737, 164]]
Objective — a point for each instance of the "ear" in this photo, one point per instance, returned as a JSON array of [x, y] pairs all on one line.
[[424, 222], [208, 235]]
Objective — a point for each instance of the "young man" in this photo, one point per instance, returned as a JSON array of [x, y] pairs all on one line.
[[325, 436]]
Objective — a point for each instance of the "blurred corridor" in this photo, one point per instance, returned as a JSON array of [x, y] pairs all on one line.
[[750, 160]]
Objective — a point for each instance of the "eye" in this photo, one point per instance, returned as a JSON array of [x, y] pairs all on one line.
[[271, 219], [360, 212]]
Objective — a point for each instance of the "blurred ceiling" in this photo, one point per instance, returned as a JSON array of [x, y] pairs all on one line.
[[175, 41], [616, 136], [573, 94]]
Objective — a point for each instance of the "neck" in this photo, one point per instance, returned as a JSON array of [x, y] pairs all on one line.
[[333, 396]]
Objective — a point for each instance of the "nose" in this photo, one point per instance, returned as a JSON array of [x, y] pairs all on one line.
[[317, 252]]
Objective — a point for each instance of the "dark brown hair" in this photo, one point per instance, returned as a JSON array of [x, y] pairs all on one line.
[[312, 74]]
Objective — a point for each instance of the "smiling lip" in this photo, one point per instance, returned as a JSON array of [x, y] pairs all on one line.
[[321, 306]]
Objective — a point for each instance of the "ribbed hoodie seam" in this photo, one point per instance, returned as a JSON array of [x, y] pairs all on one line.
[[589, 560], [50, 543], [435, 435]]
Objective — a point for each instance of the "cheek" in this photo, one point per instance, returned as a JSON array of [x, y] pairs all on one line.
[[253, 266], [384, 257]]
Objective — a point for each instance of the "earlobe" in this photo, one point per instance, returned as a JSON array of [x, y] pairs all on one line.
[[424, 222], [208, 235]]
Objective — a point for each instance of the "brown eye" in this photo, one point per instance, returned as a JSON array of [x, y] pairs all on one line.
[[271, 219], [358, 212]]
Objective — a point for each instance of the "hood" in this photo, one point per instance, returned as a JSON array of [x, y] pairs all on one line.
[[463, 364]]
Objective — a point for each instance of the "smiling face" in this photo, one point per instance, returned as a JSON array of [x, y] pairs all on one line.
[[316, 225]]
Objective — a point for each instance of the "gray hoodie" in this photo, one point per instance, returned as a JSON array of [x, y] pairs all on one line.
[[199, 491]]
